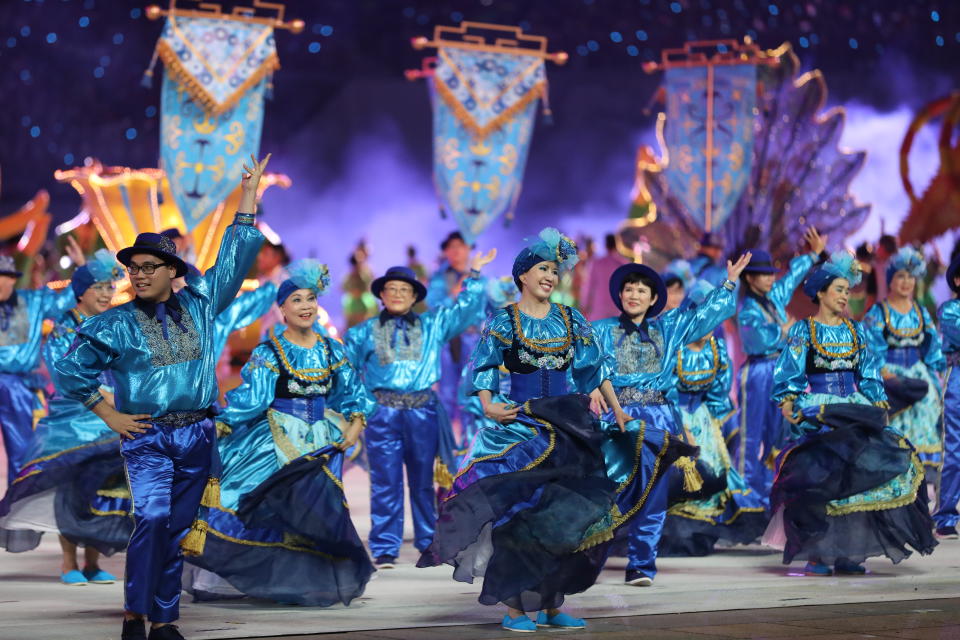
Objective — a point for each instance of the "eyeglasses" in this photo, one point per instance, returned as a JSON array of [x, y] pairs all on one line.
[[399, 291], [147, 267]]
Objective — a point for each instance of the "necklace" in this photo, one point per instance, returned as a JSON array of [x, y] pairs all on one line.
[[902, 333], [540, 345]]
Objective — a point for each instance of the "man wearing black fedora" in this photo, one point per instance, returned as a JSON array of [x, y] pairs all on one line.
[[159, 349], [398, 355]]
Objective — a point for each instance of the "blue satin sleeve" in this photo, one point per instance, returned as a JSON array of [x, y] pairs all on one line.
[[238, 250], [932, 346], [348, 395], [718, 395], [782, 290], [873, 329], [79, 370], [790, 372], [466, 310], [497, 335], [357, 344], [246, 403], [869, 379], [437, 293], [950, 324], [758, 334], [242, 312], [588, 368], [685, 325]]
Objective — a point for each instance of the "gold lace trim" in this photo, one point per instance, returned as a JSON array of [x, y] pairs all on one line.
[[908, 333]]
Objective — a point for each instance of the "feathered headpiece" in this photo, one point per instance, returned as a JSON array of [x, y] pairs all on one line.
[[304, 274], [549, 245], [680, 269], [101, 267], [908, 259], [840, 265]]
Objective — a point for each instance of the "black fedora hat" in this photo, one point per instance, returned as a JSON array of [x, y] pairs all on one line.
[[616, 285], [155, 245], [9, 268], [403, 274], [761, 263]]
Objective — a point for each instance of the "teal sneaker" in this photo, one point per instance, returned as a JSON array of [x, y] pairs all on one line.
[[848, 567], [523, 624], [817, 569], [73, 578], [99, 576], [561, 620]]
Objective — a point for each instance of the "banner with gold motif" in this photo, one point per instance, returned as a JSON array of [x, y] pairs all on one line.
[[709, 138], [484, 106], [215, 77]]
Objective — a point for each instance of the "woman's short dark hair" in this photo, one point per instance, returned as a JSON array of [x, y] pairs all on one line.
[[641, 278], [672, 280]]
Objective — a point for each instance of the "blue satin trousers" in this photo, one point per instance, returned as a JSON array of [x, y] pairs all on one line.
[[167, 470], [17, 404], [398, 438], [761, 430], [949, 494]]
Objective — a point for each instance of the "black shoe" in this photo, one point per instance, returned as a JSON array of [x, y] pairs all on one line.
[[638, 579], [166, 632], [133, 630], [947, 533], [385, 562]]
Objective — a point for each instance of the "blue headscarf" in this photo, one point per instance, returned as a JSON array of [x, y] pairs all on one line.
[[549, 246], [304, 274], [840, 265], [908, 259], [102, 267]]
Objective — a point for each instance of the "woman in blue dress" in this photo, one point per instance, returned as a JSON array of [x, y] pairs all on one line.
[[948, 496], [71, 480], [725, 508], [281, 528], [532, 509], [904, 336], [847, 487]]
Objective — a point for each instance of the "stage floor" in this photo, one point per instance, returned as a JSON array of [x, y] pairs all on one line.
[[33, 604]]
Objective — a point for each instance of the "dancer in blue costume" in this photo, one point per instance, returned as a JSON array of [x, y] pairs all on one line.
[[764, 325], [947, 516], [282, 529], [22, 312], [708, 263], [904, 336], [847, 488], [159, 349], [398, 357], [641, 346], [531, 509], [72, 479], [733, 512]]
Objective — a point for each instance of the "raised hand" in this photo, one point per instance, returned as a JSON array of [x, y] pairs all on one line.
[[480, 260], [817, 242], [252, 174], [74, 252], [734, 269]]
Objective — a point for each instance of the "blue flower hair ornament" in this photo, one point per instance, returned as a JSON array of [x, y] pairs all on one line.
[[908, 259], [840, 265], [549, 245], [304, 274]]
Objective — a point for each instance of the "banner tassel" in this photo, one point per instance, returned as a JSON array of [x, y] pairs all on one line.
[[147, 80]]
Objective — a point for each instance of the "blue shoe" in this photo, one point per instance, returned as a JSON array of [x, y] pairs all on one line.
[[817, 569], [99, 576], [561, 620], [523, 624], [848, 567], [73, 578]]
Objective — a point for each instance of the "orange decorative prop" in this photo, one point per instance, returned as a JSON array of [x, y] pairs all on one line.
[[31, 222], [123, 202]]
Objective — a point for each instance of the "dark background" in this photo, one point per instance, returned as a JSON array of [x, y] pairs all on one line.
[[355, 136]]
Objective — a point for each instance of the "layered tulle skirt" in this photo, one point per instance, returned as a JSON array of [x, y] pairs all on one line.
[[920, 421], [850, 490], [533, 510]]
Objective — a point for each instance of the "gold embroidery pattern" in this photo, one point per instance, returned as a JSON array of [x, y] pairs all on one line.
[[306, 375], [686, 375], [819, 346], [540, 345], [901, 333]]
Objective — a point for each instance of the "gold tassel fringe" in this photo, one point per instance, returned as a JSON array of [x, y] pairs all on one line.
[[692, 481], [211, 493], [193, 543], [441, 475], [223, 429]]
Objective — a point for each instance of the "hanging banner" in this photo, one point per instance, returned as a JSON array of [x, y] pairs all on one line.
[[216, 74], [709, 138], [484, 105]]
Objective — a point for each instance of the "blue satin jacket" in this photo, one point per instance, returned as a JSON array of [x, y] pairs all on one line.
[[154, 375], [761, 332], [950, 325], [242, 312], [707, 372], [20, 343], [888, 329]]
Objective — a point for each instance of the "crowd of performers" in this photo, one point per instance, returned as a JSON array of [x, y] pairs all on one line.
[[577, 440]]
